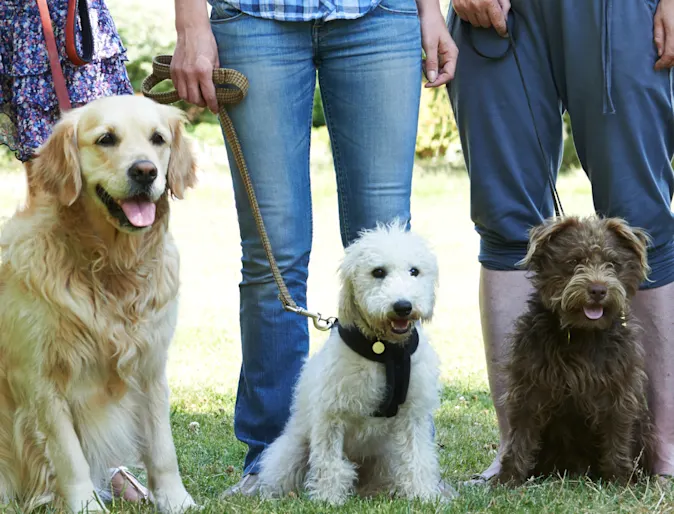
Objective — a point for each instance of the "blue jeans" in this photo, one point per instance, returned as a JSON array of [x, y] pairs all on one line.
[[369, 71], [595, 59]]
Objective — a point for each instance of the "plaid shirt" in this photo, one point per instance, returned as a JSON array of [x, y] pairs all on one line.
[[305, 10]]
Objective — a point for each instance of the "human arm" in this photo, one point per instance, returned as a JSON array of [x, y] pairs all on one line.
[[195, 55], [441, 52]]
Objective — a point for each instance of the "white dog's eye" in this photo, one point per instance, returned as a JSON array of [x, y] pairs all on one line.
[[157, 139], [107, 139], [414, 272], [379, 273]]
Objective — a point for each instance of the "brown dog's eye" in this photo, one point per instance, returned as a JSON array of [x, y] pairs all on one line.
[[414, 272], [157, 139], [107, 139], [573, 263]]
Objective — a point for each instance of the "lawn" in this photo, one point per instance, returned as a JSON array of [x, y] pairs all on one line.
[[205, 356]]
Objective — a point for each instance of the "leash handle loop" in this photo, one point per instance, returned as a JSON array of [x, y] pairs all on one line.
[[230, 88]]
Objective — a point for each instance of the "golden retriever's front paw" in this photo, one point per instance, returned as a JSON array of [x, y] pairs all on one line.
[[174, 501], [85, 500]]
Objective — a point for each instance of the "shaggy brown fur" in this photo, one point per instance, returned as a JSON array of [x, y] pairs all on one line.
[[576, 394]]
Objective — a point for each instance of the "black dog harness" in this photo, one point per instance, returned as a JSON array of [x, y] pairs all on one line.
[[396, 358]]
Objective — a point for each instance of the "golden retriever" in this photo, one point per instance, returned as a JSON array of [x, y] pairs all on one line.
[[88, 295]]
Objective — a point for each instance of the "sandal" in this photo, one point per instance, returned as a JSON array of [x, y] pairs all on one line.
[[130, 483]]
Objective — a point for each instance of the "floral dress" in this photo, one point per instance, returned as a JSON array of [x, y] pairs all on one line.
[[28, 104]]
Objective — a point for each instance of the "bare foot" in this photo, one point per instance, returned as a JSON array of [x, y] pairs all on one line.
[[127, 487], [484, 477], [663, 463]]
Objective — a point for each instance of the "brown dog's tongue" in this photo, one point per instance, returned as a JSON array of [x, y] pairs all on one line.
[[140, 212], [593, 311]]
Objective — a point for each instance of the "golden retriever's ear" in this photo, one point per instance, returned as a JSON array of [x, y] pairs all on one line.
[[55, 168], [182, 165]]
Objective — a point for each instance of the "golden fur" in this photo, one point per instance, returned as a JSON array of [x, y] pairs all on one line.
[[88, 312]]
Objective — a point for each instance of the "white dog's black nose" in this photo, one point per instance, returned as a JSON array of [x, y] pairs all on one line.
[[143, 172], [402, 308]]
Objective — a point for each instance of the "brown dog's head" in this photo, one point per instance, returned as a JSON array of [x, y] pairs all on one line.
[[585, 270], [123, 153]]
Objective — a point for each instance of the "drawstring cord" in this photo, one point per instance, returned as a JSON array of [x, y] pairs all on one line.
[[607, 9]]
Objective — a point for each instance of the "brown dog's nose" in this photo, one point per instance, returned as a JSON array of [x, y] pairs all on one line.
[[598, 292], [143, 172]]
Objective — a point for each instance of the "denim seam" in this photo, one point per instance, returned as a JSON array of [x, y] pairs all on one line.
[[342, 181], [311, 202], [397, 11]]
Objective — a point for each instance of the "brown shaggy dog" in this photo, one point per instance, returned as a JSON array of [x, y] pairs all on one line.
[[576, 397], [88, 306]]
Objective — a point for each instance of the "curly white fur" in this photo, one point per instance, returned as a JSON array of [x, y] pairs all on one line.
[[332, 446]]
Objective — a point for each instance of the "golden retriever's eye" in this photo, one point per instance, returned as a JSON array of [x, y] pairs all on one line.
[[157, 139], [107, 139], [414, 272], [379, 273]]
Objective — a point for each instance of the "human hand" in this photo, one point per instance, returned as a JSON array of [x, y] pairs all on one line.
[[441, 51], [195, 57], [484, 13], [663, 34]]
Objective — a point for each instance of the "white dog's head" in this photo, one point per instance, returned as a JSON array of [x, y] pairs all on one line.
[[389, 278], [120, 154]]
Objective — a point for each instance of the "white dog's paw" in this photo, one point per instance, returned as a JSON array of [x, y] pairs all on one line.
[[328, 495], [332, 482], [173, 501]]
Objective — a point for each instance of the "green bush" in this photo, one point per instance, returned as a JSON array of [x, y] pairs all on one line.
[[318, 117]]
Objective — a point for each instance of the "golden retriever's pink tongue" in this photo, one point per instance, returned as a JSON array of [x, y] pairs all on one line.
[[140, 213], [593, 312]]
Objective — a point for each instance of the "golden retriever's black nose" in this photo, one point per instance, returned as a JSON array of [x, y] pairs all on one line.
[[402, 308], [143, 172]]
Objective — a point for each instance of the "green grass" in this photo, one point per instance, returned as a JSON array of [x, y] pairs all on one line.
[[205, 356]]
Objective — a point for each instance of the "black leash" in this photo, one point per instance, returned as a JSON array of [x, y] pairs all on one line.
[[559, 211]]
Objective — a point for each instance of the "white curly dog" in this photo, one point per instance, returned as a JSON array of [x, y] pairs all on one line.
[[353, 427]]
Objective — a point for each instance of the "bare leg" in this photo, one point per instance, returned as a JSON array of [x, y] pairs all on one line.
[[654, 309], [503, 297]]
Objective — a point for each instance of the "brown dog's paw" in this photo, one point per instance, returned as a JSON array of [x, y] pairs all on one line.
[[508, 478]]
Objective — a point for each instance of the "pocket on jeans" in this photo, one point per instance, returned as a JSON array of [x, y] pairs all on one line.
[[400, 6], [223, 11]]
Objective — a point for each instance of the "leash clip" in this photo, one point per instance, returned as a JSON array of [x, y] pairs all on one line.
[[320, 323]]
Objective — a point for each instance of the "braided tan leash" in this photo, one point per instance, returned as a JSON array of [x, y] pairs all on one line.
[[231, 88]]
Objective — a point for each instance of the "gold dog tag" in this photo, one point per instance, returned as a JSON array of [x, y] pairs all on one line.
[[378, 348]]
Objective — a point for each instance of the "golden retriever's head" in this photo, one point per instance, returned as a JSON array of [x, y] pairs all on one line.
[[123, 152]]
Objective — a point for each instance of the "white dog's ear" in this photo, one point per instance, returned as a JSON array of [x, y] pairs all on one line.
[[55, 168], [347, 311], [182, 164]]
